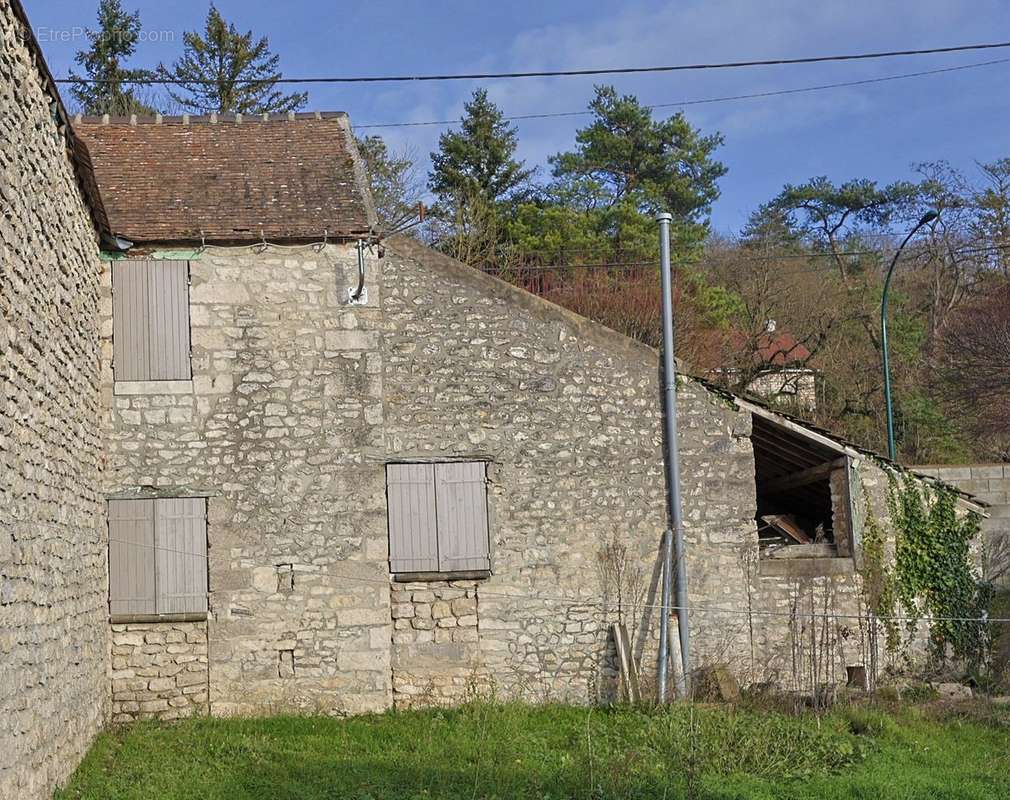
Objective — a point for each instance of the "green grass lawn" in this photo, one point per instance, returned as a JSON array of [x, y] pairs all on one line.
[[552, 752]]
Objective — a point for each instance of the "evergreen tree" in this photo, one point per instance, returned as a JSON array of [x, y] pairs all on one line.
[[114, 41], [627, 166], [478, 161], [228, 72], [391, 178]]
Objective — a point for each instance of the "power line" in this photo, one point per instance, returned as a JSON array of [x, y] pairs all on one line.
[[707, 100], [563, 73]]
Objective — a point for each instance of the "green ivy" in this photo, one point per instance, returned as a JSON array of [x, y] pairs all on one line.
[[933, 570], [879, 588]]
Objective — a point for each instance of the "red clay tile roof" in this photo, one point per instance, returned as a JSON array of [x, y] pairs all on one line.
[[228, 178], [778, 349], [768, 349]]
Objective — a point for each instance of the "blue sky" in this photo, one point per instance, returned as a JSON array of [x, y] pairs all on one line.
[[875, 131]]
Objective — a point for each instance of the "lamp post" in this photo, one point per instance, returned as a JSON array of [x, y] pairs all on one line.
[[928, 217]]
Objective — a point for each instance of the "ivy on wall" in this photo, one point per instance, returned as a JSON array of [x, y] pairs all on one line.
[[932, 574]]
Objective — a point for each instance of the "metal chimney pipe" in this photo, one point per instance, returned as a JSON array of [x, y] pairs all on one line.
[[673, 459]]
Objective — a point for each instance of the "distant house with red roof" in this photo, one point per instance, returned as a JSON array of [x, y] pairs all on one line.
[[779, 364]]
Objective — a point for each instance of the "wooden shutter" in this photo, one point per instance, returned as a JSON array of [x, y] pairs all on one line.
[[461, 510], [150, 320], [131, 557], [169, 319], [131, 332], [413, 541], [181, 555]]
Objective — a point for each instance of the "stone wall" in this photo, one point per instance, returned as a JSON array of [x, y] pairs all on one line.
[[159, 670], [281, 425], [991, 484], [53, 652], [567, 414], [297, 403], [788, 386], [435, 642]]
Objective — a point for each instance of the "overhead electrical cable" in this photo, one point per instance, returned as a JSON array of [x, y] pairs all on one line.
[[480, 76], [706, 100]]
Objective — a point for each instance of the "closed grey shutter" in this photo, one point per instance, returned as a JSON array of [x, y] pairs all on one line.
[[413, 541], [131, 331], [131, 557], [150, 320], [181, 538], [461, 508], [169, 320]]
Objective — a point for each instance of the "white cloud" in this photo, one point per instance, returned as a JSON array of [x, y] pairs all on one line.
[[689, 31]]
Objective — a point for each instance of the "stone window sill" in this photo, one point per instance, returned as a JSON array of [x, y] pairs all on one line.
[[805, 567], [428, 577], [152, 387], [119, 619]]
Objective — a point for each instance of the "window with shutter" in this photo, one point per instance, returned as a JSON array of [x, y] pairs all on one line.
[[461, 515], [131, 557], [157, 557], [150, 320], [438, 518], [413, 542]]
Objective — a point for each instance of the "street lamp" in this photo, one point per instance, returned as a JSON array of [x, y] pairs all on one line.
[[928, 217]]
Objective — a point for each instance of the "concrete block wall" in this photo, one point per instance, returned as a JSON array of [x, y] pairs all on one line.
[[53, 650], [991, 484], [159, 670]]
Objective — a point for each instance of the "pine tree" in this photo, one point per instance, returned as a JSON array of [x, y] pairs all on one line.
[[112, 43], [477, 161], [228, 72], [661, 165]]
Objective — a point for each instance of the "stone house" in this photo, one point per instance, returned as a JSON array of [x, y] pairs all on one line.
[[258, 456], [322, 499]]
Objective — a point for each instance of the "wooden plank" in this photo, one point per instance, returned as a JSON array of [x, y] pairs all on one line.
[[801, 478], [816, 550], [787, 525], [168, 318], [629, 673], [131, 331]]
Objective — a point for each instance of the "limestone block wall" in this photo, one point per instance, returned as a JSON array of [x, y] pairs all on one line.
[[281, 426], [435, 642], [991, 484], [567, 416], [53, 652], [159, 670]]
